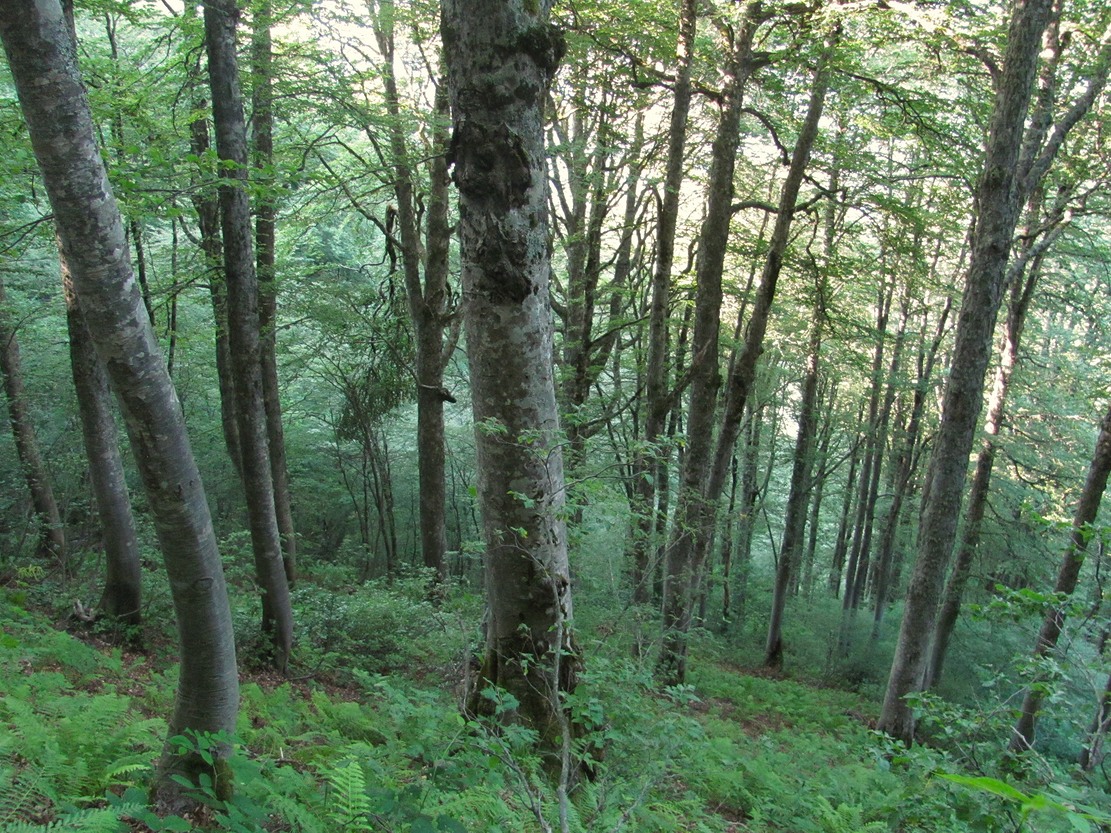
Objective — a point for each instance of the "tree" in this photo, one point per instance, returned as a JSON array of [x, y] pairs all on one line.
[[123, 573], [43, 63], [1087, 506], [52, 542], [220, 18], [501, 56], [262, 124], [998, 198]]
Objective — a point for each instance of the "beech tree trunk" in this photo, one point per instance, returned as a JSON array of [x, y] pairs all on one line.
[[220, 18], [1067, 576], [794, 523], [262, 123], [122, 595], [43, 63], [998, 199], [52, 542], [501, 56]]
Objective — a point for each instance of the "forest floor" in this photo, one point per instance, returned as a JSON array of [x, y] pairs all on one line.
[[347, 749]]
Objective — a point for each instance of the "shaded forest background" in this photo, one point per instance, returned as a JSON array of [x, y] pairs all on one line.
[[844, 223]]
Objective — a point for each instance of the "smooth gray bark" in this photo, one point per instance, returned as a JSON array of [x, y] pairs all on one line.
[[122, 594], [220, 18], [649, 470], [262, 127], [428, 294], [43, 63]]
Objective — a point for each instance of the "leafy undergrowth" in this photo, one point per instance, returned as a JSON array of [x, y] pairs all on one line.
[[362, 751]]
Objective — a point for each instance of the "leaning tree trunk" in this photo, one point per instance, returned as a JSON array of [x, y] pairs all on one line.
[[262, 122], [43, 63], [220, 17], [1086, 509], [693, 519], [696, 511], [123, 574], [501, 56], [998, 200], [52, 542]]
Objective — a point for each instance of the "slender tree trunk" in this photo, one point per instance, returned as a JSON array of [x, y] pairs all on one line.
[[1067, 576], [905, 467], [798, 495], [998, 200], [428, 301], [262, 122], [220, 18], [43, 63], [501, 56], [206, 203], [122, 596], [52, 542], [649, 471], [1092, 752]]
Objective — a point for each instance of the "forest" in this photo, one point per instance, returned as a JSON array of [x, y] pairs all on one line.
[[508, 415]]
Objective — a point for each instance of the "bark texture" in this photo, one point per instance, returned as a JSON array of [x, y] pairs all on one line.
[[43, 63], [998, 197], [427, 293], [647, 466], [220, 17], [501, 55]]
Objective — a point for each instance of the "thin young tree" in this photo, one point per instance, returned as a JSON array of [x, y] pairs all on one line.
[[220, 19], [52, 541]]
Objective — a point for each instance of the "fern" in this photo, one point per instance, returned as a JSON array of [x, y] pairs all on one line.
[[349, 807], [845, 818], [97, 820]]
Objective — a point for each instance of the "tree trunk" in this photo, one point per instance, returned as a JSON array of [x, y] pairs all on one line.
[[206, 203], [501, 55], [648, 468], [52, 542], [121, 600], [428, 301], [794, 523], [220, 18], [262, 122], [998, 199], [1086, 509], [696, 510], [43, 62], [905, 467]]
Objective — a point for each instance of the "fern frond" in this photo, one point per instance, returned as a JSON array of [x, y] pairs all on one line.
[[349, 807]]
